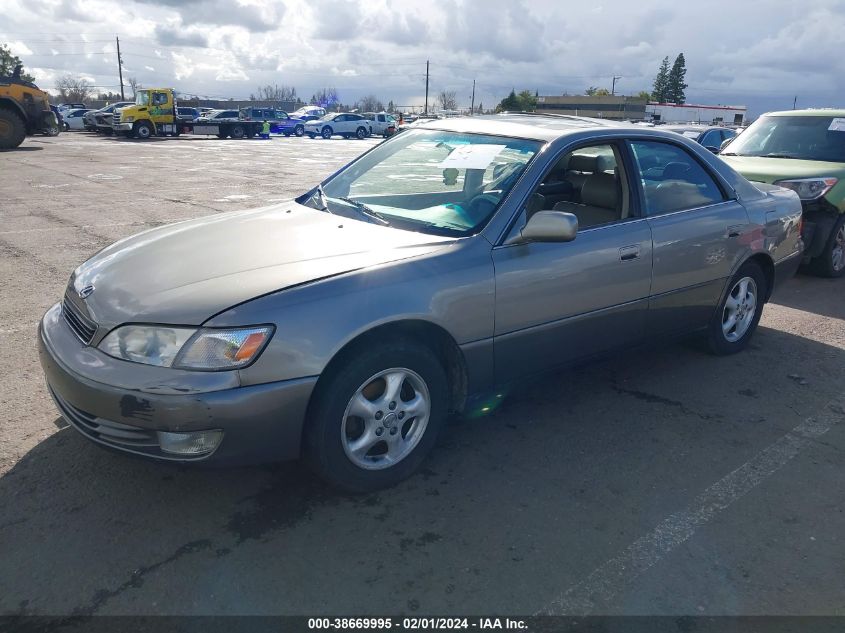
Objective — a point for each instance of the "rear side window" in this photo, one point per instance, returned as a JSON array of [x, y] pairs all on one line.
[[672, 180]]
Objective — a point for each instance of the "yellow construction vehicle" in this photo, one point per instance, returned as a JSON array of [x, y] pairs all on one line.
[[24, 109]]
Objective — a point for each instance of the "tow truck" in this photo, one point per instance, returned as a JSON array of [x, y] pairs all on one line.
[[155, 113]]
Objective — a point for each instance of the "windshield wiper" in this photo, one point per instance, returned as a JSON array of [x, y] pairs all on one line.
[[780, 155], [321, 200], [366, 211]]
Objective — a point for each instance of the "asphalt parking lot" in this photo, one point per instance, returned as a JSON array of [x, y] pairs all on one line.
[[657, 482]]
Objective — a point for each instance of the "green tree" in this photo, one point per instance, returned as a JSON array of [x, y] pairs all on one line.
[[644, 94], [8, 63], [602, 92], [390, 107], [591, 91], [527, 101], [675, 85], [661, 82], [509, 103]]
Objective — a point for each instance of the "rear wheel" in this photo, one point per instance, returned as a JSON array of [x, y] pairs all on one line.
[[327, 132], [299, 130], [831, 261], [143, 130], [361, 133], [238, 131], [734, 322], [375, 418], [12, 129]]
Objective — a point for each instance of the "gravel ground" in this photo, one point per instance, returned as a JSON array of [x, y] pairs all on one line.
[[657, 482]]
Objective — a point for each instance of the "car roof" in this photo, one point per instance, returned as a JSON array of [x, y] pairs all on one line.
[[540, 127], [826, 112]]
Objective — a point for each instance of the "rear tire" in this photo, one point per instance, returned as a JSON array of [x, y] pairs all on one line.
[[361, 133], [735, 320], [299, 130], [12, 129], [327, 132], [392, 433], [238, 132], [831, 261]]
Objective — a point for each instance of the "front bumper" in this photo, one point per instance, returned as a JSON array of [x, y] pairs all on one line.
[[123, 127], [260, 423]]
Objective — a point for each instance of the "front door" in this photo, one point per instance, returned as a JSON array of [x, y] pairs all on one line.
[[557, 302], [700, 233]]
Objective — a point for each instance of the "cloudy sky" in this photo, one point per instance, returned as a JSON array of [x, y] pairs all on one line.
[[753, 52]]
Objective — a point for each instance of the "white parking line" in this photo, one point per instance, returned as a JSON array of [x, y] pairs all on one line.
[[607, 580]]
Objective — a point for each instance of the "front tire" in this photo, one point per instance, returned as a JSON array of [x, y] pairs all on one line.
[[12, 129], [734, 322], [374, 418], [143, 130], [831, 261], [361, 133], [327, 132], [299, 130]]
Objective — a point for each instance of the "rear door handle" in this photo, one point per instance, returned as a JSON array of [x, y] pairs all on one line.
[[735, 230], [628, 253]]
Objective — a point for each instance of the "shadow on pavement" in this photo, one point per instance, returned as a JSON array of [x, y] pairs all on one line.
[[566, 471], [817, 295]]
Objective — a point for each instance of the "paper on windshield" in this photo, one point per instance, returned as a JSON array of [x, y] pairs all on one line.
[[837, 125], [691, 134], [472, 156]]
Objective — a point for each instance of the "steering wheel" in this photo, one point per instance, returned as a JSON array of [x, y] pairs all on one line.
[[481, 206]]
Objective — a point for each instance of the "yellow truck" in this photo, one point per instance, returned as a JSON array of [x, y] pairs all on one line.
[[155, 113], [24, 109]]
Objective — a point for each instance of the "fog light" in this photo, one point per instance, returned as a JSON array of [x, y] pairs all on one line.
[[194, 443]]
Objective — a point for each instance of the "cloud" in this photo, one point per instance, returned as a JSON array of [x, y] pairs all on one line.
[[175, 36]]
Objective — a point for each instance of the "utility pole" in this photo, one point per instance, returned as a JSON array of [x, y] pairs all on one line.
[[120, 68], [613, 87], [795, 102], [426, 88], [472, 107]]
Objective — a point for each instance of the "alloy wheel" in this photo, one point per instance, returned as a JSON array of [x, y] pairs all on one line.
[[837, 253], [385, 419], [740, 308]]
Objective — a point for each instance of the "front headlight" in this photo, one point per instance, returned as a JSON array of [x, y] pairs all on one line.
[[808, 188], [128, 119], [187, 348]]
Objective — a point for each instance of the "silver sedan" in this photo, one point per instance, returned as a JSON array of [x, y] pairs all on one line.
[[464, 254]]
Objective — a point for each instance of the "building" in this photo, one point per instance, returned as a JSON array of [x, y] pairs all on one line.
[[611, 107], [691, 113]]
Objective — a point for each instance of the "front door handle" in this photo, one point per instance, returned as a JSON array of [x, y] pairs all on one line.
[[628, 253]]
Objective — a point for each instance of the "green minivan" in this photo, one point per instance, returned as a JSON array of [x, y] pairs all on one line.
[[803, 150]]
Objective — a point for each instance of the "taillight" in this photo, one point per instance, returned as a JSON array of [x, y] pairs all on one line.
[[801, 225]]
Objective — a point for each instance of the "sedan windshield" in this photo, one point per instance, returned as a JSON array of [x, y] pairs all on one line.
[[801, 137], [444, 183]]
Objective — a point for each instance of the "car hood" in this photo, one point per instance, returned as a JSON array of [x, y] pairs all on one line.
[[770, 170], [186, 273]]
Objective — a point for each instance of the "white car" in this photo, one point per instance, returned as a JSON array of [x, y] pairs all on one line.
[[344, 124], [75, 119], [380, 122]]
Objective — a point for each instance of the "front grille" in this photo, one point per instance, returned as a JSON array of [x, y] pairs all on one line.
[[106, 431], [115, 119], [82, 326]]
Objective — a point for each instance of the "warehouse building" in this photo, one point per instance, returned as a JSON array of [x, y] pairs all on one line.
[[611, 107], [691, 113]]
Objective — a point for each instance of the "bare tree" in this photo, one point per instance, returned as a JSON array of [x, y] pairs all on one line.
[[135, 85], [370, 103], [447, 100], [73, 90], [274, 93]]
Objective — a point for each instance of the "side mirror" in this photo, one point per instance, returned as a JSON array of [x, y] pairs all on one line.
[[725, 143], [549, 226]]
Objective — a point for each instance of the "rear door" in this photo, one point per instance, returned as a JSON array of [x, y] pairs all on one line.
[[700, 235]]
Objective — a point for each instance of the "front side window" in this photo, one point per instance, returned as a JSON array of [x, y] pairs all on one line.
[[444, 183], [800, 137], [142, 98], [672, 179]]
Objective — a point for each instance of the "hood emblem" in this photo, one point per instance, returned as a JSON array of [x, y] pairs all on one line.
[[86, 292]]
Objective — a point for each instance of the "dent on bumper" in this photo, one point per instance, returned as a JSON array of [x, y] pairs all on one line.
[[260, 423]]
